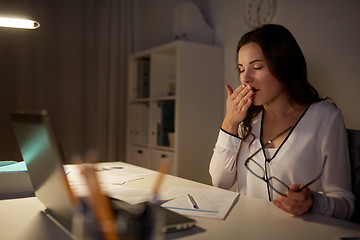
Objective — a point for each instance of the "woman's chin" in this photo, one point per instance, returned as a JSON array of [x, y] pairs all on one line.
[[255, 101]]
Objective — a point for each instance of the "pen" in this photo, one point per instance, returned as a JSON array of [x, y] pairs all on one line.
[[192, 201], [163, 169]]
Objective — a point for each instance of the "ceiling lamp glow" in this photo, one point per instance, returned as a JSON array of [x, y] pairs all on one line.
[[18, 23]]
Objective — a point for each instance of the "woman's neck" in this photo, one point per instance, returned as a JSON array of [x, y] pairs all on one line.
[[278, 117], [282, 109]]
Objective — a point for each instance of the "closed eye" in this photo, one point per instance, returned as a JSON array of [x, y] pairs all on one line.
[[257, 67], [241, 69]]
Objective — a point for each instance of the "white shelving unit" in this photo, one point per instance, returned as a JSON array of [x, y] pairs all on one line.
[[176, 88]]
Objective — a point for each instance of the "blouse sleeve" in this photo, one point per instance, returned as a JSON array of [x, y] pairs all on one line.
[[223, 162], [336, 199]]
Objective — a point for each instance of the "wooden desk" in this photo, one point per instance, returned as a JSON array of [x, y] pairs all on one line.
[[251, 218]]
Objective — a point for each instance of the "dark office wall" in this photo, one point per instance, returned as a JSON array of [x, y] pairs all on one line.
[[68, 66], [41, 69]]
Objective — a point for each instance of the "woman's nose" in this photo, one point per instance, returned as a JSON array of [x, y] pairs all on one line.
[[246, 77]]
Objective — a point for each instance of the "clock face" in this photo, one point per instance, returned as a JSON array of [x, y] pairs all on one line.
[[258, 12]]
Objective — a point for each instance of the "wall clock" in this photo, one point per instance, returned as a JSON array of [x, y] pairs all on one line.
[[258, 12]]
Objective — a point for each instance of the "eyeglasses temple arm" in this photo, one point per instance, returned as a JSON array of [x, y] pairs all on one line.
[[317, 178]]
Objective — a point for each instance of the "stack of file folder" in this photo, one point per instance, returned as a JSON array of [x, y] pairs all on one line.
[[14, 180]]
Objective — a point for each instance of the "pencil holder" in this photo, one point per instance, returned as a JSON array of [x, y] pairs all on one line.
[[132, 222], [140, 222], [152, 222], [85, 225]]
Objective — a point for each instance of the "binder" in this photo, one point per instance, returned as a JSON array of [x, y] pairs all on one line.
[[14, 180], [143, 78]]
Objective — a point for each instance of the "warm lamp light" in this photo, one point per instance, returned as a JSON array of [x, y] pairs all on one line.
[[18, 23]]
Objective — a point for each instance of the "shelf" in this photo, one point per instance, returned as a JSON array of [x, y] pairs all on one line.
[[169, 149], [141, 145], [163, 98], [147, 100]]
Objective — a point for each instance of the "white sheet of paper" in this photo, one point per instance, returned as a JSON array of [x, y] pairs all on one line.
[[113, 175], [212, 202], [130, 195], [110, 179]]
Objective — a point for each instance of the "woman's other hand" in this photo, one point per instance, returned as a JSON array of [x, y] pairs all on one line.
[[295, 203], [237, 105]]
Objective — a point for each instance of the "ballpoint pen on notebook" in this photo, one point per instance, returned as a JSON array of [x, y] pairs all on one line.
[[192, 201]]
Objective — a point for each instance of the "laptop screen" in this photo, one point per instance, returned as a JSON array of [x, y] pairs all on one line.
[[40, 151]]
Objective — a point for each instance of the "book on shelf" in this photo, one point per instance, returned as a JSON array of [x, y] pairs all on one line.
[[167, 123], [143, 89]]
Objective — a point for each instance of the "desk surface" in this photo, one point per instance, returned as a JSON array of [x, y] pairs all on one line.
[[250, 218]]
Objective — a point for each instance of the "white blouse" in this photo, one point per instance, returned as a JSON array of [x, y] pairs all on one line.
[[320, 133]]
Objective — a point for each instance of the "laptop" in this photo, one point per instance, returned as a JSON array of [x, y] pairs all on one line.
[[41, 152]]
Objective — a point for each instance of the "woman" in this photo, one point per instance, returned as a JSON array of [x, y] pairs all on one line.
[[276, 102]]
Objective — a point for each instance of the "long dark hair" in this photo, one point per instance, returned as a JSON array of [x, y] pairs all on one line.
[[287, 64]]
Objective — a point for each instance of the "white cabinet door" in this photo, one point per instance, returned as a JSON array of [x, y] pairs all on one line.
[[138, 128], [157, 156], [139, 156]]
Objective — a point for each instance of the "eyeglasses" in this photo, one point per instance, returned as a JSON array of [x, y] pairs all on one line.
[[273, 182]]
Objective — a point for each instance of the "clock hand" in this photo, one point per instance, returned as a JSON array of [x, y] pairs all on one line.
[[258, 9]]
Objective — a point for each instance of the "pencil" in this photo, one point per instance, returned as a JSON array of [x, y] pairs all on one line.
[[163, 169], [99, 203]]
